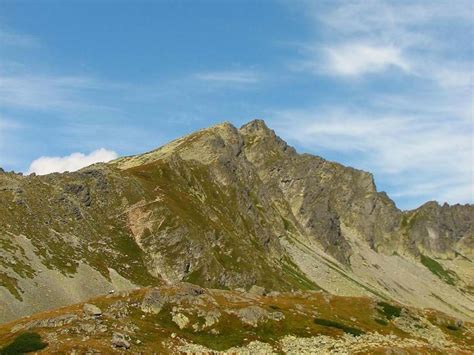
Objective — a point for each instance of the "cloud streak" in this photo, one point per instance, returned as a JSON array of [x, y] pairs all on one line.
[[237, 77], [72, 162], [12, 39], [49, 92], [364, 37], [409, 116], [356, 59], [416, 156]]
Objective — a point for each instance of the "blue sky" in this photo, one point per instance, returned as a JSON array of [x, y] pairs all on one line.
[[384, 86]]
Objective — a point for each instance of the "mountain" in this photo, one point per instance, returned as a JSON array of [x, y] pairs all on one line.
[[227, 208]]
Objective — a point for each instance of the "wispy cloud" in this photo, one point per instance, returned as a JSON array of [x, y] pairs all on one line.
[[356, 59], [237, 77], [72, 162], [49, 92], [363, 37], [14, 39], [417, 155], [419, 141]]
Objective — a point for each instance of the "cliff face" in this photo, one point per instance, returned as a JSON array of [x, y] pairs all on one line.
[[322, 194], [444, 231], [226, 208]]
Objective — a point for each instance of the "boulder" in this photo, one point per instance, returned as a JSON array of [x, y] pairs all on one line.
[[119, 341], [181, 320], [153, 301], [91, 310], [257, 290]]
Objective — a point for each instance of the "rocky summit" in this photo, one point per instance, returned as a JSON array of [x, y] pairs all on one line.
[[229, 240]]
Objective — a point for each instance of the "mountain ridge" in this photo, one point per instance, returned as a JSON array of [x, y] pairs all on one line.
[[227, 208]]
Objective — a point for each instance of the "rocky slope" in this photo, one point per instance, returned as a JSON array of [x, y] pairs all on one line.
[[227, 208], [185, 318]]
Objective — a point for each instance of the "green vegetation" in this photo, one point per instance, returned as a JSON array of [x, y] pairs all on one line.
[[381, 321], [389, 310], [288, 225], [436, 268], [227, 337], [453, 327], [337, 315], [24, 343], [333, 324], [408, 220], [11, 284], [291, 269]]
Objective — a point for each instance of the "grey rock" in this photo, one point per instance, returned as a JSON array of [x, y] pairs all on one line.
[[47, 323], [252, 315], [88, 327], [153, 301], [119, 341], [257, 290], [91, 310], [181, 320]]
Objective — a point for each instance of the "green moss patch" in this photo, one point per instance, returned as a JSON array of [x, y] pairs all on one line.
[[453, 327], [389, 310], [436, 268], [24, 343], [381, 321], [344, 328]]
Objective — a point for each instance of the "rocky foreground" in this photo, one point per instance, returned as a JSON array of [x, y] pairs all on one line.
[[185, 318]]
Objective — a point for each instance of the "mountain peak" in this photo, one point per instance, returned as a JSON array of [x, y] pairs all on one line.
[[256, 125], [262, 143]]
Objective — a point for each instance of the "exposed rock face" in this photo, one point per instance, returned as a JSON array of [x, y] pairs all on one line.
[[226, 208], [321, 194], [444, 231], [252, 315]]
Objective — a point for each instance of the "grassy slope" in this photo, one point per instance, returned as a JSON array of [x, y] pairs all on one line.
[[306, 314], [64, 230]]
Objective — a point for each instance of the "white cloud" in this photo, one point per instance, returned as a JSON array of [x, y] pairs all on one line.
[[239, 77], [412, 127], [390, 17], [363, 37], [73, 162], [355, 59]]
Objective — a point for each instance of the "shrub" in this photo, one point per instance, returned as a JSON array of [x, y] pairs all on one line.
[[332, 324], [381, 321], [388, 310], [24, 343], [452, 327]]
